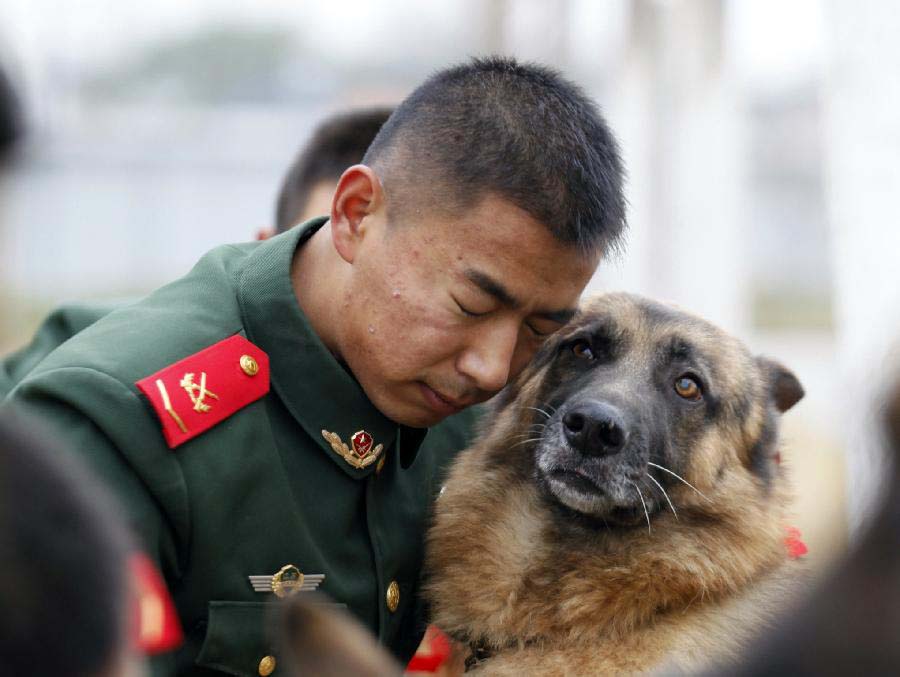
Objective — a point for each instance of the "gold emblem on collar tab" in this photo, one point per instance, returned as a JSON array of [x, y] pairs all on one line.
[[364, 451]]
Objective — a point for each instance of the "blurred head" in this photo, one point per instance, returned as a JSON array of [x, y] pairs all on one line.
[[318, 638], [337, 143], [10, 118], [64, 586], [480, 214]]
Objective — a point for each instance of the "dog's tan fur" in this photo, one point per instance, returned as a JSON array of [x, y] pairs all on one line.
[[691, 590]]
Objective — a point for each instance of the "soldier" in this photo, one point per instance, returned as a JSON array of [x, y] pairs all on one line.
[[306, 190], [266, 417]]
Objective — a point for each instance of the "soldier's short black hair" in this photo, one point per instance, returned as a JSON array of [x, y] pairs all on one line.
[[337, 143], [520, 131], [63, 578]]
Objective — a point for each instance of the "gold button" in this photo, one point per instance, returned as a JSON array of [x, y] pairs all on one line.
[[393, 596], [267, 664], [249, 366]]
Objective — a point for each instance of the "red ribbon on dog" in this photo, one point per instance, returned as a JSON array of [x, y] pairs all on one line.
[[432, 654], [794, 542]]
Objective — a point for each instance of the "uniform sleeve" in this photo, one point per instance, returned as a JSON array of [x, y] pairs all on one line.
[[107, 424], [58, 327], [15, 366]]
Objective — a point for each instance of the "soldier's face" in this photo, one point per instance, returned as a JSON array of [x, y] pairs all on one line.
[[440, 313]]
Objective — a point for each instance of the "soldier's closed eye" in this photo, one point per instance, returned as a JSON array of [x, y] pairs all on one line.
[[468, 311]]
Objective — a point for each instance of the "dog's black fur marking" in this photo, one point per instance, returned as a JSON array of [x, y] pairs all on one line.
[[762, 454]]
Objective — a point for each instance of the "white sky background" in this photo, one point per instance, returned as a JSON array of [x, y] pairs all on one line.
[[774, 42], [53, 46]]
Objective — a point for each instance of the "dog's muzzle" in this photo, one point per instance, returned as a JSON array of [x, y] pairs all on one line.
[[595, 428]]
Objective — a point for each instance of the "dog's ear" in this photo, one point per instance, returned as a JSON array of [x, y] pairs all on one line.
[[784, 387]]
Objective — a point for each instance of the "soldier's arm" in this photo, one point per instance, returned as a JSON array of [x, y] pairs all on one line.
[[57, 328]]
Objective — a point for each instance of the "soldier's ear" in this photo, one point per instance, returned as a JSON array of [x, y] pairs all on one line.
[[784, 387], [357, 197]]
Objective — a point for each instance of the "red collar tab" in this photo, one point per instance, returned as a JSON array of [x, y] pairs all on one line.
[[796, 548], [202, 390], [155, 627]]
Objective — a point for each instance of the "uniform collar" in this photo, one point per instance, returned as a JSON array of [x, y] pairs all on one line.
[[319, 393]]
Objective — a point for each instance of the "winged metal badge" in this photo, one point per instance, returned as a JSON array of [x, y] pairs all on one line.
[[289, 580], [364, 452]]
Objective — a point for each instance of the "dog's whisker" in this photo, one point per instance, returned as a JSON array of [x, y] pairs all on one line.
[[668, 500], [540, 410], [679, 477], [540, 426], [641, 496], [527, 433], [533, 439]]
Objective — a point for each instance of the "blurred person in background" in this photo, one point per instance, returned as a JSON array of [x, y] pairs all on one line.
[[337, 143], [64, 592], [849, 622], [271, 419], [11, 125], [76, 597]]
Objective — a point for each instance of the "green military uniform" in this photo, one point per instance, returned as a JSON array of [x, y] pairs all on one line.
[[262, 488], [59, 326]]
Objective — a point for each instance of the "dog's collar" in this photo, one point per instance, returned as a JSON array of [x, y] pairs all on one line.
[[478, 653]]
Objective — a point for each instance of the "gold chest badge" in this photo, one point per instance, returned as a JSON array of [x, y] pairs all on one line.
[[287, 581], [364, 451]]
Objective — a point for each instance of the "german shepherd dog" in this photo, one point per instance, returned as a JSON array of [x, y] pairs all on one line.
[[624, 508]]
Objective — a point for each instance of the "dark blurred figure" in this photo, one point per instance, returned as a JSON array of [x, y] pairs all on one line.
[[337, 143], [11, 125], [64, 584], [850, 625], [319, 639]]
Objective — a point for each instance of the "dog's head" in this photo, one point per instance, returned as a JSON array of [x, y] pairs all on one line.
[[636, 402]]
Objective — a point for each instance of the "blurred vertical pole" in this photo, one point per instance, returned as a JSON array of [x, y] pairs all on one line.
[[546, 30], [685, 187], [493, 21], [862, 131]]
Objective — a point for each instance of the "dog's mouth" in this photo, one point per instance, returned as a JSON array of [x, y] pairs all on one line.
[[611, 494], [578, 480]]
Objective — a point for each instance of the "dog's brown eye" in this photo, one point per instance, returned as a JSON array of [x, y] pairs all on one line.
[[688, 388], [582, 349]]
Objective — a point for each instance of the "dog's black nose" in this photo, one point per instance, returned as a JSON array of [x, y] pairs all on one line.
[[595, 429]]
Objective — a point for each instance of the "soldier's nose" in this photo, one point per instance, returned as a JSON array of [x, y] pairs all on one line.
[[487, 362], [595, 428]]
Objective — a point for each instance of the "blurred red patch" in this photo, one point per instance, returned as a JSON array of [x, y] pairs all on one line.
[[795, 545], [155, 625]]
